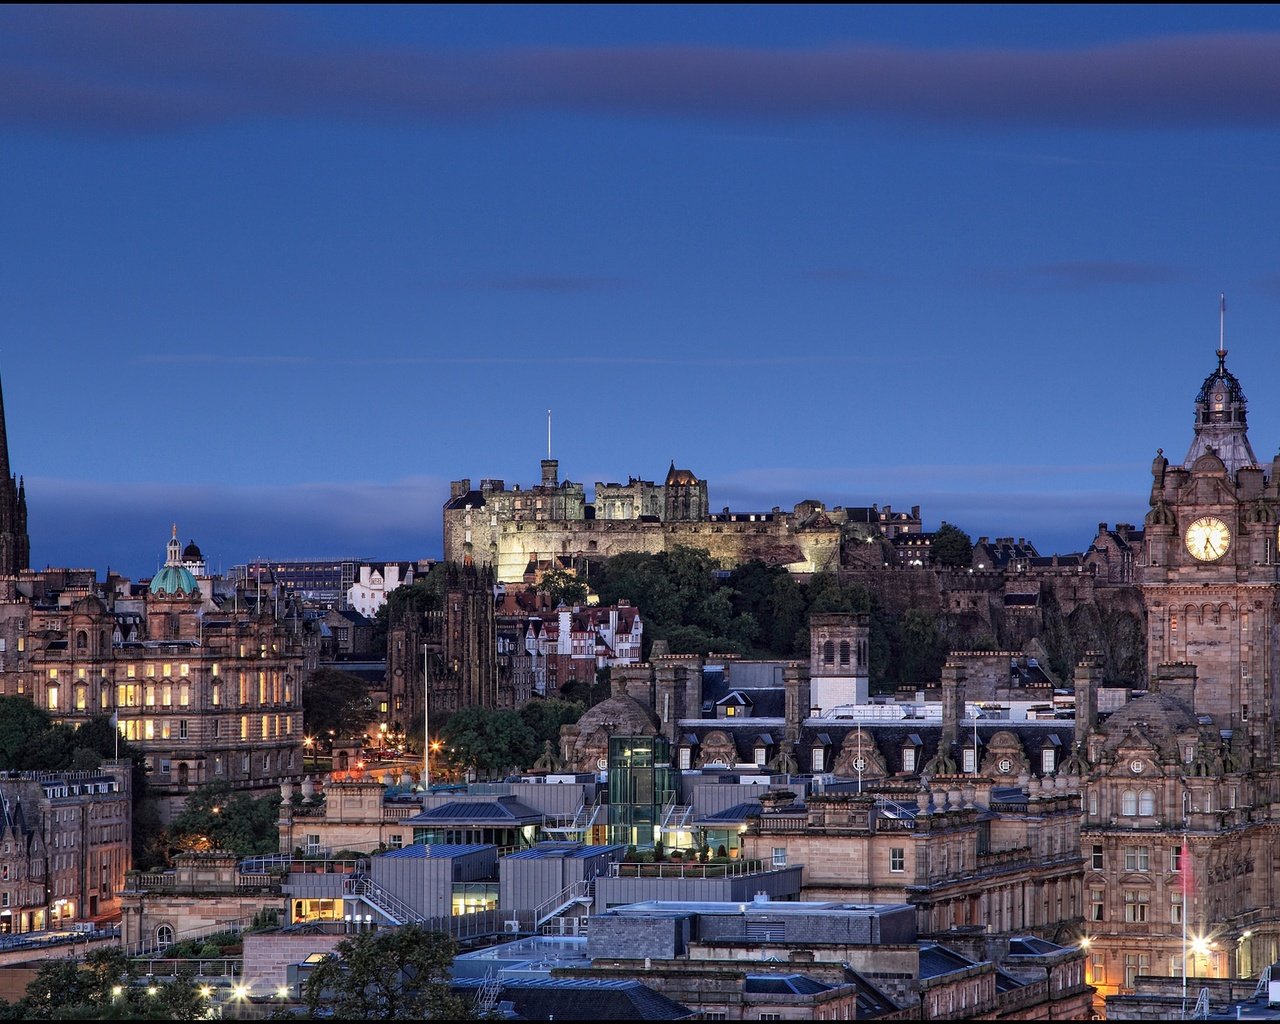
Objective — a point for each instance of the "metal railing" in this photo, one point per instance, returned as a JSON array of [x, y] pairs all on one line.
[[394, 909], [152, 945], [687, 869], [579, 893], [206, 967]]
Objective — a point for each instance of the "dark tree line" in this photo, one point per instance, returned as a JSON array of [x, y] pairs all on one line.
[[762, 611]]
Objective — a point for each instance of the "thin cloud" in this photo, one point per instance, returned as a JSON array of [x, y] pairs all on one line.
[[146, 70], [1092, 274], [798, 360], [1081, 275], [844, 275], [125, 526], [172, 358], [554, 283]]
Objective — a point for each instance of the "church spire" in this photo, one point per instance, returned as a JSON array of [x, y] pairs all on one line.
[[5, 472], [15, 545]]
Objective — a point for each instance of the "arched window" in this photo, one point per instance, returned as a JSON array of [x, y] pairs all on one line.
[[164, 935], [184, 773], [1128, 803], [82, 640], [829, 653], [844, 652], [1146, 803]]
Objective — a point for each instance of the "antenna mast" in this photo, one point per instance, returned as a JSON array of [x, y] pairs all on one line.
[[1222, 327], [548, 433]]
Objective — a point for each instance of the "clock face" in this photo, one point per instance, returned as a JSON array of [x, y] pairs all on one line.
[[1136, 766], [859, 764], [1005, 765], [1208, 539]]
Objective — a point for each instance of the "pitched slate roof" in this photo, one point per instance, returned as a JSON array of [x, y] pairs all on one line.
[[783, 984], [503, 811]]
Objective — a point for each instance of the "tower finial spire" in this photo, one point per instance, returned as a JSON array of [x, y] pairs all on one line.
[[1222, 330]]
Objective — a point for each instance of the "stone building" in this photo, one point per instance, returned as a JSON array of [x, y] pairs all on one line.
[[455, 644], [64, 846], [508, 529], [202, 894], [1181, 784], [208, 689]]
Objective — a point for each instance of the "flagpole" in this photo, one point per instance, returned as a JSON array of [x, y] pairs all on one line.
[[1186, 868]]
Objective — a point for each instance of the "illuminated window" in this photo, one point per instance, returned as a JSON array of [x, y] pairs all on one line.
[[52, 697]]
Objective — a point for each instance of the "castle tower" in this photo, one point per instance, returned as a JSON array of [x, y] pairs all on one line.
[[15, 545]]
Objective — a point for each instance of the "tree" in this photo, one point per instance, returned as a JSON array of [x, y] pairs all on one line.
[[105, 987], [952, 547], [545, 715], [409, 603], [490, 741], [337, 701], [400, 974], [216, 817], [24, 730], [560, 585]]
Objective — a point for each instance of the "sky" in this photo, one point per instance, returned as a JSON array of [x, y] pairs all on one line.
[[279, 274]]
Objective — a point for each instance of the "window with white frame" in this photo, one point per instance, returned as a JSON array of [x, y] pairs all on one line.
[[1137, 858], [897, 858], [1137, 903]]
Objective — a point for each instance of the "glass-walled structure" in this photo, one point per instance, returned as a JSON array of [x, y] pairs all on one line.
[[641, 785]]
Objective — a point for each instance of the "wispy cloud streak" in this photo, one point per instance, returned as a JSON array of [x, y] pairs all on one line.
[[142, 70]]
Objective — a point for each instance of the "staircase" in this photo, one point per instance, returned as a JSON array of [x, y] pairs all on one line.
[[677, 818], [395, 911], [487, 995], [578, 894], [579, 826]]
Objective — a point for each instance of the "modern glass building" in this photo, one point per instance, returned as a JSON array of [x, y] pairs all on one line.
[[641, 785]]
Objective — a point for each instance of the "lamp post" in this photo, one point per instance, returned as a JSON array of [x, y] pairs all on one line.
[[426, 721], [309, 743]]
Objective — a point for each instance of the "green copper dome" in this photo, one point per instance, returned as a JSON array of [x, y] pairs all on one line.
[[174, 580]]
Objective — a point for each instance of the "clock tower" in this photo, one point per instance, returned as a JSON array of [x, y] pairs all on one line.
[[1210, 578]]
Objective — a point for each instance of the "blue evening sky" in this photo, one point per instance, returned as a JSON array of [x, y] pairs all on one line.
[[279, 274]]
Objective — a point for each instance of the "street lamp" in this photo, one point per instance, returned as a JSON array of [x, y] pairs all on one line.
[[309, 742]]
